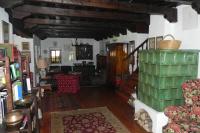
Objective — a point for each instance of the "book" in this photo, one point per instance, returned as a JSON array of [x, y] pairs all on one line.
[[13, 71], [17, 91], [3, 111], [2, 76], [28, 83], [14, 68]]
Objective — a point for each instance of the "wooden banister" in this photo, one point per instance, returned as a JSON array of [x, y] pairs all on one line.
[[138, 48], [133, 57]]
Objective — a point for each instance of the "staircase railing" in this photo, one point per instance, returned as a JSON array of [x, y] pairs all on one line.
[[130, 80], [133, 57]]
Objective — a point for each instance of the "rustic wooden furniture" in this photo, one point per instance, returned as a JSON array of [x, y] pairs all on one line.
[[86, 73], [116, 67], [101, 62], [31, 112]]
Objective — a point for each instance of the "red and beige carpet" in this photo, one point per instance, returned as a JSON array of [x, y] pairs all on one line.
[[94, 120]]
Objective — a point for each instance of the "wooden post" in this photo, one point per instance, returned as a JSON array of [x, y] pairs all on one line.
[[8, 85]]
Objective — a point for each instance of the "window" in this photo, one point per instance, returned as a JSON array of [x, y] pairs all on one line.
[[55, 56]]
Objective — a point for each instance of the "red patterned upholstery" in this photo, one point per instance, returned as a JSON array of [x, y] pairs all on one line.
[[186, 118], [67, 83]]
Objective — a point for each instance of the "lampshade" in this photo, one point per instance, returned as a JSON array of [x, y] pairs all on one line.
[[42, 63]]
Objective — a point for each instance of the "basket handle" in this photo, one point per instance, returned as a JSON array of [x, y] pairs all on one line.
[[169, 35]]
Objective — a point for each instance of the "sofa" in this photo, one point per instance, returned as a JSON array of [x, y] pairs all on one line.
[[186, 118], [87, 72]]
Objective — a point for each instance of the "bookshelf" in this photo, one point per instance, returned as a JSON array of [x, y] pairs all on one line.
[[31, 112]]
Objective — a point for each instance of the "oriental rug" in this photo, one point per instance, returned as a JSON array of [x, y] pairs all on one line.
[[94, 120]]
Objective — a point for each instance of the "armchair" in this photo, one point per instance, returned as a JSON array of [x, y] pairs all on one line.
[[186, 118]]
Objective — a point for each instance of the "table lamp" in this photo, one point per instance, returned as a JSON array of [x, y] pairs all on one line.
[[42, 65]]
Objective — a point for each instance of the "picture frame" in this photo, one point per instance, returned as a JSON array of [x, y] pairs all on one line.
[[25, 46], [151, 43], [158, 39], [25, 54], [84, 52]]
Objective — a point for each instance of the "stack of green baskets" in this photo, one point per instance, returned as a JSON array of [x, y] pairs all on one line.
[[161, 73]]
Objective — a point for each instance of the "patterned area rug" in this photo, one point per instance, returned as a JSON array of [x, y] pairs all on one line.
[[94, 120]]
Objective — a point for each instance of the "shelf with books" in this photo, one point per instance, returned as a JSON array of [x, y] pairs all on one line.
[[9, 50], [15, 90]]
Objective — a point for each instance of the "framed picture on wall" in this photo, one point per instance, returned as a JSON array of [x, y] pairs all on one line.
[[158, 39], [25, 54], [25, 46], [151, 43], [84, 52], [5, 28]]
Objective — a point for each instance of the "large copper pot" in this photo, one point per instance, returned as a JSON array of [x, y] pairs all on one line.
[[13, 118]]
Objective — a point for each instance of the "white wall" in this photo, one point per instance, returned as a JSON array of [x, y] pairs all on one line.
[[65, 44], [4, 17], [130, 36], [187, 29], [15, 39], [18, 42]]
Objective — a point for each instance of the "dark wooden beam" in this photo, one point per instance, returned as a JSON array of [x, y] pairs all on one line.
[[43, 27], [73, 35], [10, 3], [196, 5], [185, 2], [32, 22], [77, 33], [119, 6], [80, 13], [18, 26]]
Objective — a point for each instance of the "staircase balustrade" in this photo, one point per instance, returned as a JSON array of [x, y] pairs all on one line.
[[130, 82]]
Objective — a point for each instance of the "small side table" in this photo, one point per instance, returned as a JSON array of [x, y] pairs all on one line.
[[46, 87], [44, 84]]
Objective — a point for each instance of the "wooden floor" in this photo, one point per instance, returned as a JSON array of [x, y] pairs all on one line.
[[88, 97]]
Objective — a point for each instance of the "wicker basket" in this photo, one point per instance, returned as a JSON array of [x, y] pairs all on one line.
[[169, 44]]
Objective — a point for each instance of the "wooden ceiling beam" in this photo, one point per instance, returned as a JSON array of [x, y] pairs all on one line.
[[73, 35], [43, 27], [112, 5], [134, 28], [89, 32], [79, 13], [185, 2], [31, 22], [122, 6], [141, 27], [10, 3]]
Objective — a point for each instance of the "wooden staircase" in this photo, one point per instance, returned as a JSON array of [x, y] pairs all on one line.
[[129, 84]]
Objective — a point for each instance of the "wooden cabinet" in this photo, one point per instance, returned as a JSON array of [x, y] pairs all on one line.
[[116, 66], [87, 73], [101, 62]]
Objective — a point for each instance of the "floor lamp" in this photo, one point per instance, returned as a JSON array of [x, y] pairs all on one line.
[[42, 65]]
